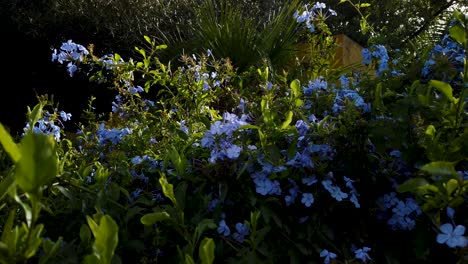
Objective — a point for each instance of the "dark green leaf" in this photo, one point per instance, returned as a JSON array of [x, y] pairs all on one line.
[[412, 185], [441, 168]]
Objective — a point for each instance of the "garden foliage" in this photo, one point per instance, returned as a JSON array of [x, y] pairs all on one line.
[[276, 163]]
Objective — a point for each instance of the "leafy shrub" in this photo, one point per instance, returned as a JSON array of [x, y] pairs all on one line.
[[205, 162]]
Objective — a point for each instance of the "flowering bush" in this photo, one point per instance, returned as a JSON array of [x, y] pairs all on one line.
[[202, 163]]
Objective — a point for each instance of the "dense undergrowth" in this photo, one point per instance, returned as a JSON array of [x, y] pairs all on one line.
[[272, 162]]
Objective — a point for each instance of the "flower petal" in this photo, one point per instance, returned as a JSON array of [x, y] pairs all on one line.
[[446, 228], [442, 238], [459, 230]]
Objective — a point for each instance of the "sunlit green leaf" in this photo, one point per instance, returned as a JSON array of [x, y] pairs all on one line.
[[106, 235], [38, 165], [9, 145], [167, 188], [445, 88], [457, 32], [152, 218], [289, 117], [206, 251]]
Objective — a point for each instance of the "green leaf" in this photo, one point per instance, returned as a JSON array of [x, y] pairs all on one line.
[[204, 225], [206, 251], [85, 233], [296, 88], [35, 241], [35, 114], [289, 117], [6, 185], [148, 39], [430, 131], [178, 160], [445, 88], [457, 32], [106, 237], [412, 185], [378, 101], [9, 145], [152, 218], [442, 168], [38, 164], [364, 5], [189, 259], [50, 250], [451, 186], [8, 227], [180, 193], [167, 188]]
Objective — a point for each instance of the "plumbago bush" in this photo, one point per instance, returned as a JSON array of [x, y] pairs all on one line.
[[204, 164]]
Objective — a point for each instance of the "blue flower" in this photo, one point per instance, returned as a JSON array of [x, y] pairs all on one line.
[[362, 254], [307, 199], [265, 186], [344, 81], [135, 90], [450, 212], [309, 180], [452, 237], [242, 232], [327, 255], [302, 127], [233, 151], [135, 194], [65, 116], [335, 191], [223, 229], [366, 56], [137, 160], [71, 68]]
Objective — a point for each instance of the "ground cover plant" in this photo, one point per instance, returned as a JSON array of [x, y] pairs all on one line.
[[209, 162]]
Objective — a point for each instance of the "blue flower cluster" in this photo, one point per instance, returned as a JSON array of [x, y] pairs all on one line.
[[113, 136], [403, 212], [46, 125], [353, 192], [378, 52], [309, 15], [242, 230], [207, 80], [70, 52], [334, 191], [263, 184], [152, 163], [352, 95], [220, 137], [319, 85], [449, 49], [110, 62]]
